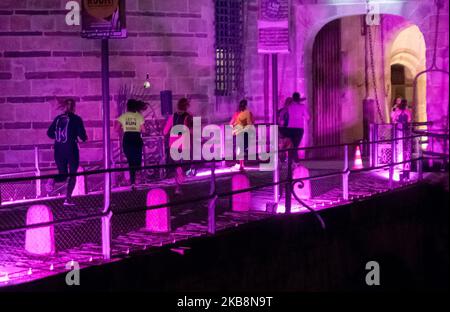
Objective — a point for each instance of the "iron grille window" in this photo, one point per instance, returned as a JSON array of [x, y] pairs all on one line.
[[229, 16]]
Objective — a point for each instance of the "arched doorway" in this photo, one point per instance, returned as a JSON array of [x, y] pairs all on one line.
[[327, 85], [344, 97], [407, 58]]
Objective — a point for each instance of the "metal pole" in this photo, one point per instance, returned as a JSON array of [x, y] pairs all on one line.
[[393, 158], [266, 88], [419, 163], [276, 172], [222, 146], [38, 171], [212, 202], [345, 174], [288, 195], [371, 150], [106, 221]]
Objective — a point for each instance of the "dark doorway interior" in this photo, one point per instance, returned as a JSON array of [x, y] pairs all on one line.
[[327, 86]]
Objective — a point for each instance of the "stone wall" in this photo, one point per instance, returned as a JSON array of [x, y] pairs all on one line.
[[40, 57], [173, 41]]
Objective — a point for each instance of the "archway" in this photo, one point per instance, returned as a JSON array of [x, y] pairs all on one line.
[[351, 83], [408, 54], [403, 14]]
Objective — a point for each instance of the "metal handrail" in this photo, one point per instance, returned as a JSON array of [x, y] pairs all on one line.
[[214, 195], [195, 162]]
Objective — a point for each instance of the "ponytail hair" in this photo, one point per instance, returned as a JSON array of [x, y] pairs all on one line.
[[242, 105], [136, 106], [67, 106]]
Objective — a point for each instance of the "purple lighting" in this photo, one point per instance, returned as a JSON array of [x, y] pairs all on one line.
[[40, 241], [316, 82]]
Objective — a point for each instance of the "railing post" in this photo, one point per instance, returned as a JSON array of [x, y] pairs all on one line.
[[38, 171], [106, 236], [370, 145], [106, 220], [345, 174], [288, 193], [212, 201], [162, 170], [276, 171], [394, 156], [222, 146], [419, 163]]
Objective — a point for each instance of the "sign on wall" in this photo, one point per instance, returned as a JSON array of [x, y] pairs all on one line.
[[103, 19], [273, 26]]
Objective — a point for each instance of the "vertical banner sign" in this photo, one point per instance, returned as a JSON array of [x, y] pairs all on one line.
[[103, 19], [273, 26]]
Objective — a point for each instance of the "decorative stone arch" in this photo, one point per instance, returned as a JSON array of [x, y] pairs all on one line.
[[414, 61], [415, 12]]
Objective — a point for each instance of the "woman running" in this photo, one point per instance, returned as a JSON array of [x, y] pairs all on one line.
[[180, 117], [133, 124], [66, 129], [241, 119]]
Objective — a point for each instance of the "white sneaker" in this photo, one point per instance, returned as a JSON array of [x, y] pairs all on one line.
[[236, 167], [69, 203]]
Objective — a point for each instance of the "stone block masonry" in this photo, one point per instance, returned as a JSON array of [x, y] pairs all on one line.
[[42, 57]]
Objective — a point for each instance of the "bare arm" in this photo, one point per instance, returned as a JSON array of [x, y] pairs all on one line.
[[250, 119], [117, 127], [307, 115], [82, 131], [233, 120], [51, 130], [168, 126]]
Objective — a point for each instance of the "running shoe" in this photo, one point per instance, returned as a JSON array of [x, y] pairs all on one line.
[[69, 203]]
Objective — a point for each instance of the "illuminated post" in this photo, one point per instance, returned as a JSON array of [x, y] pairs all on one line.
[[106, 220], [288, 195], [345, 174], [212, 201], [38, 171], [276, 172], [393, 157], [419, 163]]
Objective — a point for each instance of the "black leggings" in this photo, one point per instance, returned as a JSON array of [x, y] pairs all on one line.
[[132, 147], [67, 159], [295, 135]]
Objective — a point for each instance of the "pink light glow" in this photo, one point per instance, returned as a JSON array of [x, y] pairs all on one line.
[[385, 174], [157, 220], [305, 192], [41, 240], [241, 201], [224, 170]]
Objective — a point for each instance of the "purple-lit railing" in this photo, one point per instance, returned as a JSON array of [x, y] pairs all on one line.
[[88, 220]]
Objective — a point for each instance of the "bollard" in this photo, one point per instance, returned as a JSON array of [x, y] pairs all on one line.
[[288, 184], [345, 174], [157, 220], [240, 201], [305, 192], [41, 240], [80, 186]]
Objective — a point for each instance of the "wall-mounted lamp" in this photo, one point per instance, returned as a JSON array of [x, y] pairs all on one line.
[[147, 83]]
